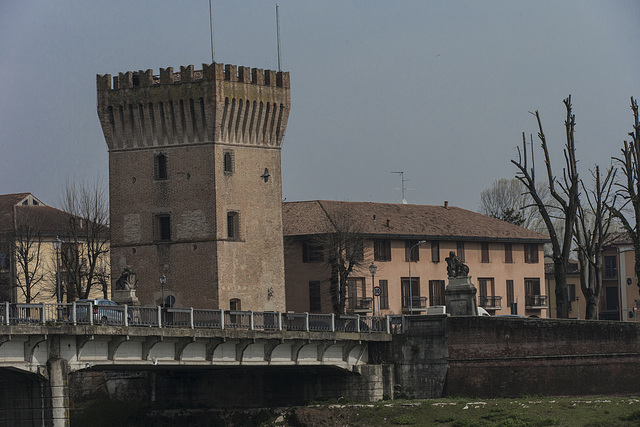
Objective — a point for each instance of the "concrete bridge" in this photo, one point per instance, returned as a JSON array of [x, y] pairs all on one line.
[[51, 341]]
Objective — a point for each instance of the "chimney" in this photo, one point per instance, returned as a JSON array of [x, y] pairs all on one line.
[[446, 204]]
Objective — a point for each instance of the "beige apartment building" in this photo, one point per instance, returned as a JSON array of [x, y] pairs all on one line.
[[35, 237], [408, 245]]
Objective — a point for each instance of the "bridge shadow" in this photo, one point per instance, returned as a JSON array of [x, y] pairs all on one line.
[[214, 387]]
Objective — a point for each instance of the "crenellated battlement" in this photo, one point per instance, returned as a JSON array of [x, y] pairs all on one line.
[[219, 103], [209, 72]]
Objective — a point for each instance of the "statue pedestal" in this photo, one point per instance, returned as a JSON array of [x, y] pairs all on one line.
[[125, 296], [460, 296]]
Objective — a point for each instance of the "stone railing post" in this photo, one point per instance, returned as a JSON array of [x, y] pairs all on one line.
[[74, 317], [358, 323], [43, 314], [221, 318], [279, 321], [251, 320], [7, 312], [90, 313], [306, 322], [159, 317], [191, 323], [125, 316], [333, 322]]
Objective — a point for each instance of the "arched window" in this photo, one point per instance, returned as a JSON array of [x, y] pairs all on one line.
[[160, 166], [234, 304]]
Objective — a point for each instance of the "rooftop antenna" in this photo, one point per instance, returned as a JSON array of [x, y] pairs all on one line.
[[278, 36], [211, 29], [404, 201]]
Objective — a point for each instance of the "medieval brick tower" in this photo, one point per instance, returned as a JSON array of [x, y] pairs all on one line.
[[195, 186]]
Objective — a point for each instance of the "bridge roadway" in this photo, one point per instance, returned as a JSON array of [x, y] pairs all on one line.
[[51, 342]]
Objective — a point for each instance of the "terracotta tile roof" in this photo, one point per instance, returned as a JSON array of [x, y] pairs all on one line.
[[50, 221], [573, 267], [7, 202], [403, 221]]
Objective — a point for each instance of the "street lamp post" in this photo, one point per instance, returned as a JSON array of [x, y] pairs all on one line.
[[163, 281], [57, 244], [420, 243], [372, 269]]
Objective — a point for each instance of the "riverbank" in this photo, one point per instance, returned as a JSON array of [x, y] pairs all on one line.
[[591, 411]]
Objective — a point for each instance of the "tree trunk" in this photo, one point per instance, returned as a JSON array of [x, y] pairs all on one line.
[[334, 289], [560, 274], [592, 307]]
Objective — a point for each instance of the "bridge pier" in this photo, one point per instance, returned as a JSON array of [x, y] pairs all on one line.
[[58, 392]]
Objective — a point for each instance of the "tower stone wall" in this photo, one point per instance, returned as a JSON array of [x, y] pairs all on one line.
[[195, 184]]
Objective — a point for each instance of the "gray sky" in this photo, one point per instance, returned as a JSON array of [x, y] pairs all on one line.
[[438, 89]]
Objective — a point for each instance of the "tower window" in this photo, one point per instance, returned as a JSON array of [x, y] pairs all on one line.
[[235, 304], [162, 227], [233, 226], [160, 166], [228, 162]]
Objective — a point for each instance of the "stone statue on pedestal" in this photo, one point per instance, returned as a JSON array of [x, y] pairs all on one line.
[[460, 294], [455, 267], [125, 289]]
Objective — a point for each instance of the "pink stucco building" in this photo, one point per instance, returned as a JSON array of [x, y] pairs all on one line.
[[505, 261]]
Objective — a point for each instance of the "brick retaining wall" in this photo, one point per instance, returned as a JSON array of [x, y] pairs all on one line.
[[492, 356]]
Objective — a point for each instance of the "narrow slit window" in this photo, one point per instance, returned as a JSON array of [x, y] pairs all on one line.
[[233, 226], [228, 162], [160, 167]]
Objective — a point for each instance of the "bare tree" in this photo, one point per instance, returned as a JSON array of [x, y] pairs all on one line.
[[27, 247], [629, 188], [509, 200], [591, 232], [565, 195], [86, 247], [344, 248]]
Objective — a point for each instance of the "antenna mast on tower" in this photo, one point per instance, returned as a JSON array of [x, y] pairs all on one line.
[[211, 29], [278, 36]]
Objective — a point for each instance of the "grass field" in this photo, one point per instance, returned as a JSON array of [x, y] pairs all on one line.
[[523, 412]]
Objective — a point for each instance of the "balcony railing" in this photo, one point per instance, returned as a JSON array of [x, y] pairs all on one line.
[[417, 303], [490, 302], [533, 302]]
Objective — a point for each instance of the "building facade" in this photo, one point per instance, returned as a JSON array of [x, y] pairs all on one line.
[[408, 244], [619, 294], [38, 252], [577, 308], [195, 185]]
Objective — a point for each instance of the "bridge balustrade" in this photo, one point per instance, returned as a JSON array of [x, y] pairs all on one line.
[[208, 318], [161, 317]]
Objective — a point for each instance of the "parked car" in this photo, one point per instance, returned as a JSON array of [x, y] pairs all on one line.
[[104, 311]]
